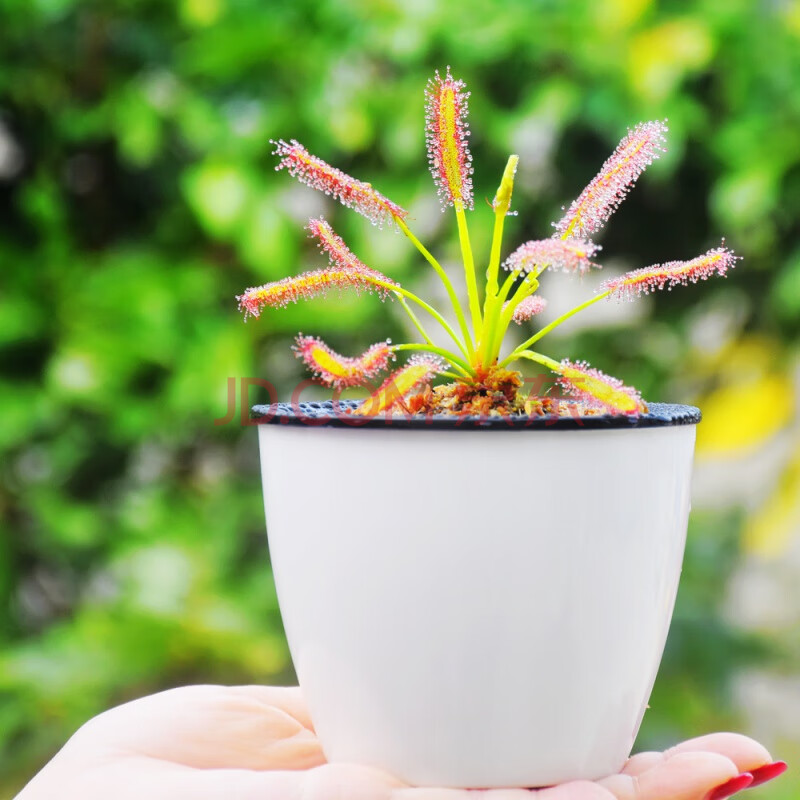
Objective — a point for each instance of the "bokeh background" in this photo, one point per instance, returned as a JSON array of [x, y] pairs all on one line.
[[138, 197]]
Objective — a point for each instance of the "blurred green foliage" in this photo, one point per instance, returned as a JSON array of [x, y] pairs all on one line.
[[137, 198]]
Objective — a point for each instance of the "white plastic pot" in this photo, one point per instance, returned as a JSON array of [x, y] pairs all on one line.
[[478, 607]]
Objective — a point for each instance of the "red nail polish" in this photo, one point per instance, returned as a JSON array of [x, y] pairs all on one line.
[[768, 772], [730, 787]]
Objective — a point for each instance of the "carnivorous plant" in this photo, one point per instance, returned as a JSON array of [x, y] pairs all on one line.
[[480, 380]]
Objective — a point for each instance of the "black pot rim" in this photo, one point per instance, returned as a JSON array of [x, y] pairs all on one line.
[[333, 414]]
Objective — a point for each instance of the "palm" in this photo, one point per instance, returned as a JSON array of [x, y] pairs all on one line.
[[209, 743]]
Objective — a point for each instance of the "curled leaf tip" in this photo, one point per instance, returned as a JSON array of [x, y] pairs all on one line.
[[340, 371], [598, 390], [446, 136], [716, 261], [502, 199], [319, 175], [598, 201]]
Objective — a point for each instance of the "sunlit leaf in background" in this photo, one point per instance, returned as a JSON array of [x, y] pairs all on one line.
[[744, 414], [773, 529]]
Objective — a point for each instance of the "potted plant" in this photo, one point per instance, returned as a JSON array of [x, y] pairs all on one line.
[[461, 609]]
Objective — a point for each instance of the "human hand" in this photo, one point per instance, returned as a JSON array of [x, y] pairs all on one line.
[[258, 743]]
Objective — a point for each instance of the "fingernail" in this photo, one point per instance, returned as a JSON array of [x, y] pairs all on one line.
[[730, 787], [768, 772]]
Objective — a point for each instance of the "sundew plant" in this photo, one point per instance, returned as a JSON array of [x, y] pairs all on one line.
[[480, 380]]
